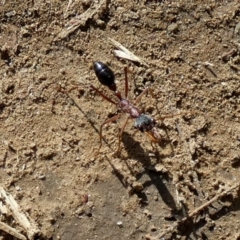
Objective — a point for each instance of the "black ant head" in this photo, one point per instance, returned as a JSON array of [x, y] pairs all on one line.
[[144, 123], [105, 75]]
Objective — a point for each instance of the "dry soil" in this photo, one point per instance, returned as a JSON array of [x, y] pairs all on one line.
[[50, 118]]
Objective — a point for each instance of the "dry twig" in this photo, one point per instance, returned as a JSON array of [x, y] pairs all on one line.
[[195, 212], [11, 231], [125, 53], [69, 4], [81, 20], [28, 225]]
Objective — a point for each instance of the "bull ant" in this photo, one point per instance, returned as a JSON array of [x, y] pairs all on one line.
[[143, 122]]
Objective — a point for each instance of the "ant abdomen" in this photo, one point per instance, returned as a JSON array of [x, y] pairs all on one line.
[[105, 75]]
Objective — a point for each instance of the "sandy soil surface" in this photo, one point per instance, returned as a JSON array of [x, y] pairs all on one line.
[[50, 119]]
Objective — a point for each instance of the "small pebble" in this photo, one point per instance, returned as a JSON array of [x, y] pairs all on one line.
[[41, 176], [173, 28], [153, 228], [10, 14], [120, 224], [237, 30], [147, 213]]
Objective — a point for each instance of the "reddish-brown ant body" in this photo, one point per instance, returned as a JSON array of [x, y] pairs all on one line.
[[143, 122]]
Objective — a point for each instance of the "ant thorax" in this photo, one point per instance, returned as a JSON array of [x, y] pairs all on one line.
[[127, 107], [144, 123]]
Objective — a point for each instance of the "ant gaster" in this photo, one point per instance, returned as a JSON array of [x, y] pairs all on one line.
[[143, 122]]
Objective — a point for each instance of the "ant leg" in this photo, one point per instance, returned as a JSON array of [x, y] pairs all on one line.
[[106, 122], [139, 97], [126, 82], [173, 115], [95, 89], [120, 135], [103, 95], [63, 90]]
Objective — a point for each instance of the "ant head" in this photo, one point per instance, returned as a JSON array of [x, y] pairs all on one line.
[[144, 123]]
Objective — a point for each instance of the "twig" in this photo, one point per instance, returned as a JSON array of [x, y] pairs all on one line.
[[31, 228], [209, 67], [195, 212], [69, 3], [80, 20], [125, 53], [206, 64], [11, 231]]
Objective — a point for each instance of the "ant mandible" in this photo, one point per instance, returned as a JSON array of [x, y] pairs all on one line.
[[143, 122]]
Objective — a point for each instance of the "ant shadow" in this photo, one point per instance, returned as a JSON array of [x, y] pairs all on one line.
[[137, 152], [88, 119]]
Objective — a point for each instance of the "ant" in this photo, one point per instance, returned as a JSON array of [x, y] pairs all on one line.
[[143, 122]]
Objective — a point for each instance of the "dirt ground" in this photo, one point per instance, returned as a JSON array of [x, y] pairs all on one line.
[[50, 119]]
